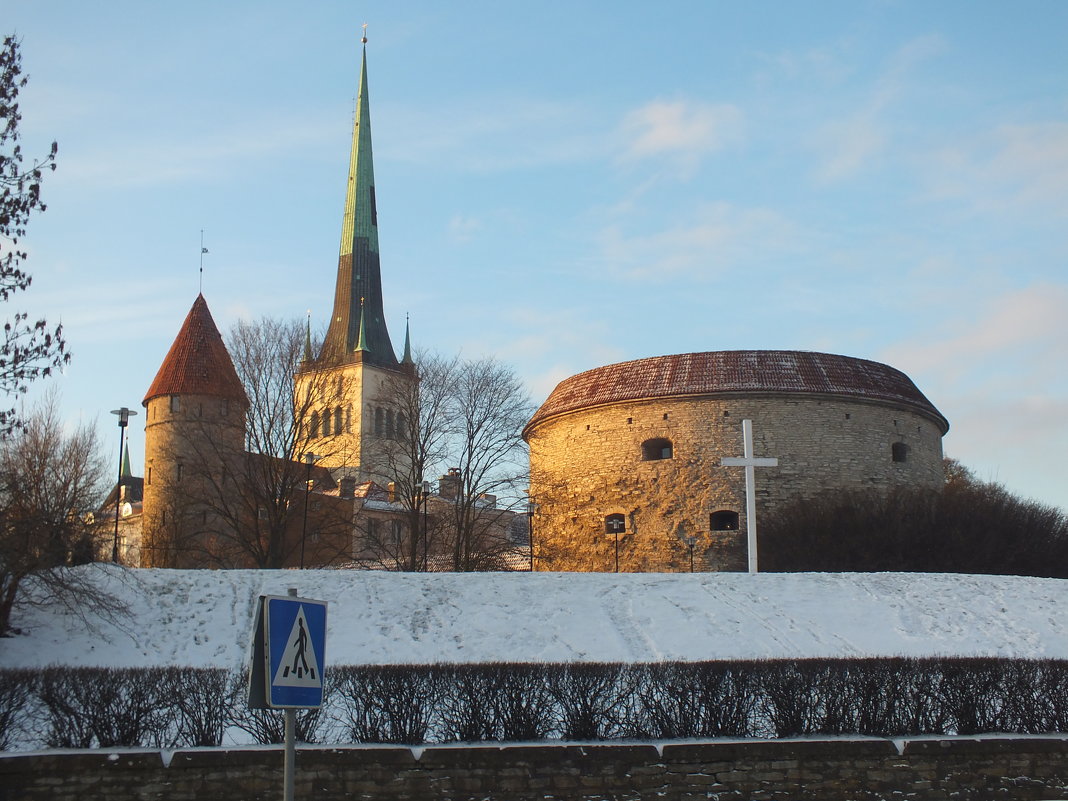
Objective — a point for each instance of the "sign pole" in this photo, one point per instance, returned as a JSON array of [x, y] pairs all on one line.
[[290, 765]]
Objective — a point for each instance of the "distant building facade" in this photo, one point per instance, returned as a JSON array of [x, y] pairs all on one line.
[[632, 451]]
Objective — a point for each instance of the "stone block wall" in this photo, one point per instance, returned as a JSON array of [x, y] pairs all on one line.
[[588, 464], [788, 770]]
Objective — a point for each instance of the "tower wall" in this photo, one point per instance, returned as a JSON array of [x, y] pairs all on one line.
[[362, 398], [588, 463], [191, 442]]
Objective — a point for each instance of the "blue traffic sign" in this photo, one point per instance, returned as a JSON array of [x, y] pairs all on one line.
[[294, 651]]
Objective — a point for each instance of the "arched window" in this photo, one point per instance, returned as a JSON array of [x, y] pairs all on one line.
[[348, 418], [389, 423], [659, 448], [337, 420], [314, 429], [723, 520], [899, 452], [326, 422], [615, 524], [402, 426], [380, 421]]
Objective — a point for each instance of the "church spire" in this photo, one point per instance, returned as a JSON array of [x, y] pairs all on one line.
[[359, 272], [407, 359], [361, 341]]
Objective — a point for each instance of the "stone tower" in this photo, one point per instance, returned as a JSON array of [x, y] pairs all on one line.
[[345, 398], [194, 428]]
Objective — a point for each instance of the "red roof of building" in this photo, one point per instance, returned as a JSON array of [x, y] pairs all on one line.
[[736, 372], [198, 362]]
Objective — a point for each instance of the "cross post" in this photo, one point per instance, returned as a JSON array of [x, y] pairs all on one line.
[[749, 462]]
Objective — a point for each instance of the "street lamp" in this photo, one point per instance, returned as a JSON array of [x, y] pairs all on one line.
[[425, 493], [615, 524], [309, 460], [124, 420], [690, 541]]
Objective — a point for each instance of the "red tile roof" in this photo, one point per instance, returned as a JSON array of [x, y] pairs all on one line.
[[736, 371], [198, 362]]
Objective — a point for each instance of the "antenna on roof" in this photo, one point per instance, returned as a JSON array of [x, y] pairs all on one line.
[[203, 250]]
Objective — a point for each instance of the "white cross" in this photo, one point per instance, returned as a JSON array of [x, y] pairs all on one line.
[[749, 463]]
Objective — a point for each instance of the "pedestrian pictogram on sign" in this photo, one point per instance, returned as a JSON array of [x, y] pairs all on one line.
[[298, 667]]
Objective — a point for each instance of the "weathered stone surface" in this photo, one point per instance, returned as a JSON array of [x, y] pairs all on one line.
[[785, 770]]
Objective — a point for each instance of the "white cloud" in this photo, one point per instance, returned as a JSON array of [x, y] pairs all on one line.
[[1024, 331], [853, 142], [463, 229], [679, 130], [719, 236], [1020, 167]]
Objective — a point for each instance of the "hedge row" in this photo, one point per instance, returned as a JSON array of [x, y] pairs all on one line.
[[180, 707]]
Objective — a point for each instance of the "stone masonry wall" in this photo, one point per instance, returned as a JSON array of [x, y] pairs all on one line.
[[781, 770], [588, 464]]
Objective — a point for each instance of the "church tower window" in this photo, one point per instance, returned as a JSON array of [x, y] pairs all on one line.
[[314, 432], [326, 422], [389, 424], [899, 452], [654, 449], [380, 421], [337, 420], [723, 520]]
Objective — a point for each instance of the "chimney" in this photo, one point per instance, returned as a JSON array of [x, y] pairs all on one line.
[[449, 485], [348, 487], [391, 490]]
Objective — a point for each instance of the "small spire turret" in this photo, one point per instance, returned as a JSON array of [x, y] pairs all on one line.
[[407, 359]]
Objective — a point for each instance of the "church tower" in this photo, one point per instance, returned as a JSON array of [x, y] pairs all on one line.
[[194, 429], [345, 398]]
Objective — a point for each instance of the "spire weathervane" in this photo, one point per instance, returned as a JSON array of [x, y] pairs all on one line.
[[203, 250], [364, 39]]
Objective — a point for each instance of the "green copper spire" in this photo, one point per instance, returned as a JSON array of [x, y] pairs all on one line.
[[361, 343], [359, 274], [407, 343], [125, 472]]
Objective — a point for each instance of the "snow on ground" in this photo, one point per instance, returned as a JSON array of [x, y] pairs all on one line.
[[204, 617]]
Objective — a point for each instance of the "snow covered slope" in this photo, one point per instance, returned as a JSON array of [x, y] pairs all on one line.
[[204, 618]]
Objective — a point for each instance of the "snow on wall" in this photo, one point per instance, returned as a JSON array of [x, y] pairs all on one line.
[[204, 617]]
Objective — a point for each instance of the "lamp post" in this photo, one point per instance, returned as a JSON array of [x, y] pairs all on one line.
[[426, 494], [690, 542], [615, 524], [309, 460], [124, 420], [531, 509]]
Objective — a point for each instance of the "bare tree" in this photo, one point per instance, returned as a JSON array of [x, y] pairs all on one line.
[[249, 506], [462, 419], [50, 481], [490, 408], [422, 403], [27, 350]]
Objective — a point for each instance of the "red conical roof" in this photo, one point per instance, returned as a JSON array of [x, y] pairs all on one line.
[[198, 362]]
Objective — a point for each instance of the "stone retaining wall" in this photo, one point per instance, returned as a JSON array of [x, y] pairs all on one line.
[[960, 768]]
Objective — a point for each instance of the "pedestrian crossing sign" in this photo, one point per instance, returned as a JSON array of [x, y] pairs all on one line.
[[293, 651]]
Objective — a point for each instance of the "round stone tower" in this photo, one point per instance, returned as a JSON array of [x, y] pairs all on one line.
[[194, 428], [629, 454]]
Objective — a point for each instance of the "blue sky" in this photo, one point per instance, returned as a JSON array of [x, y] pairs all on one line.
[[565, 185]]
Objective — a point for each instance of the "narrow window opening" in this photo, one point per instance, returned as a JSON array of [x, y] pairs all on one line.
[[380, 422], [899, 452], [337, 420], [326, 422], [665, 415], [723, 520], [176, 403], [314, 432], [148, 477]]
